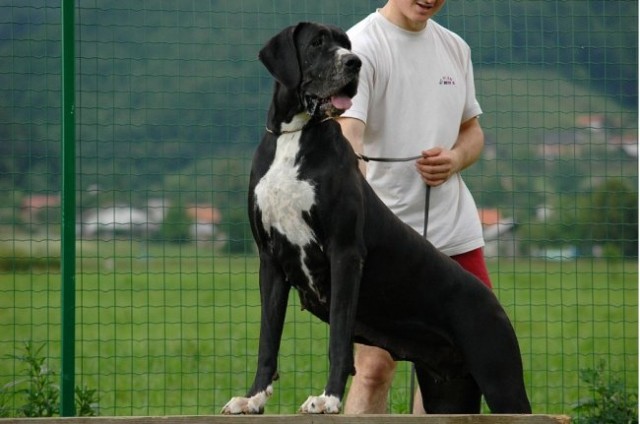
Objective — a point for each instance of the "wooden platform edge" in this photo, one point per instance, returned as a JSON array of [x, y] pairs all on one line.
[[304, 419]]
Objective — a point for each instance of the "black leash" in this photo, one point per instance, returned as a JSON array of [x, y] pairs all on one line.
[[370, 159], [427, 196], [407, 159]]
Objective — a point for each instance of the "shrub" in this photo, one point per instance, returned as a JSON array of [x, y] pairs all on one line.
[[610, 402], [37, 394]]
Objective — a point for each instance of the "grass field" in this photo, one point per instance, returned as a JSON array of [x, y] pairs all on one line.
[[173, 330]]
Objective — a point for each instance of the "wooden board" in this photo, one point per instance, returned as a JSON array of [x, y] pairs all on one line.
[[304, 419]]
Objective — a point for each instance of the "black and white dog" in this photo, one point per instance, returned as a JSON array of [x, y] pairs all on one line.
[[321, 229]]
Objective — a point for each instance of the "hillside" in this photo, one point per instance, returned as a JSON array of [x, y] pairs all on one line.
[[161, 89], [537, 145]]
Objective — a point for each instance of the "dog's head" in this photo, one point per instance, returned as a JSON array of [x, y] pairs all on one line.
[[316, 62]]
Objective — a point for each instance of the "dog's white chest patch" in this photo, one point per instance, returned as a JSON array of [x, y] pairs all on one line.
[[282, 197]]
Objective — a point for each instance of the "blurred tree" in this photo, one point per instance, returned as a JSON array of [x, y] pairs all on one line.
[[613, 216], [606, 217], [176, 225]]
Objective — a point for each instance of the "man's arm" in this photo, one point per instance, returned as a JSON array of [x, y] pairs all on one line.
[[353, 130], [438, 164]]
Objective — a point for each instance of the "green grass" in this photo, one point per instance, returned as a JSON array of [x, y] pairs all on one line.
[[173, 330]]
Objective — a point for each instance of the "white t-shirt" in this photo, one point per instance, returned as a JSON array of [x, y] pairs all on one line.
[[415, 90]]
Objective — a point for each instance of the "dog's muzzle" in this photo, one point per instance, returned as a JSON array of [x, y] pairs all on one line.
[[335, 102]]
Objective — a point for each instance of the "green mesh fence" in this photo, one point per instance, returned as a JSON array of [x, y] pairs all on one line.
[[171, 102]]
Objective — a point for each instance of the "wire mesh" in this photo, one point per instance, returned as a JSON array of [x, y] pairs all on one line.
[[171, 103]]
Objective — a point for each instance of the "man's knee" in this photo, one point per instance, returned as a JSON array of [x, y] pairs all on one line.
[[374, 366]]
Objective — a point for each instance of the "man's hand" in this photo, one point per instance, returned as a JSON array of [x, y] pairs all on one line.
[[437, 165]]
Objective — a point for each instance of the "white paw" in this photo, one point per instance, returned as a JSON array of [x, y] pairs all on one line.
[[243, 405], [321, 405]]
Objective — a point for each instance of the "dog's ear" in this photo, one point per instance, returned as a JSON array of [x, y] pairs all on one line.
[[280, 57]]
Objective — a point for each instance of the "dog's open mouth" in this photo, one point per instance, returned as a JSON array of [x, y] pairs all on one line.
[[341, 102], [337, 103]]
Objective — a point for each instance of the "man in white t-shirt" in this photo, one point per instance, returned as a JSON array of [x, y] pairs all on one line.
[[416, 96]]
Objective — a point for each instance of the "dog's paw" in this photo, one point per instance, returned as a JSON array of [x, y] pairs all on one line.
[[321, 405], [247, 405]]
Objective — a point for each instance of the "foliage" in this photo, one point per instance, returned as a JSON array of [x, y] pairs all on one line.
[[176, 225], [24, 255], [42, 393], [86, 401], [584, 40], [38, 390], [606, 217], [614, 211], [610, 403]]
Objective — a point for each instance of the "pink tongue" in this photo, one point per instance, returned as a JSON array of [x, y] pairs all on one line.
[[341, 102]]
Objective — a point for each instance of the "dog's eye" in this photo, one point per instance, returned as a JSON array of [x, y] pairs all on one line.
[[317, 42]]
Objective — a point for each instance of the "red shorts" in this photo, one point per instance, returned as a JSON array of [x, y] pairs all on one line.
[[473, 261]]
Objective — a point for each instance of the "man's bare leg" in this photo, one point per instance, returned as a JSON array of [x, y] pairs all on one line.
[[418, 408], [369, 392]]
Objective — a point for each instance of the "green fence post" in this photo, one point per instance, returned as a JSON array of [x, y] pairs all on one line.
[[68, 271]]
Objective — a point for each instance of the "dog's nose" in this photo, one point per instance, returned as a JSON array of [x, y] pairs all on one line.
[[352, 62]]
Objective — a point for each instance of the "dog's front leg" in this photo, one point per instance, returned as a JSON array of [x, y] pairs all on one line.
[[346, 271], [274, 293]]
